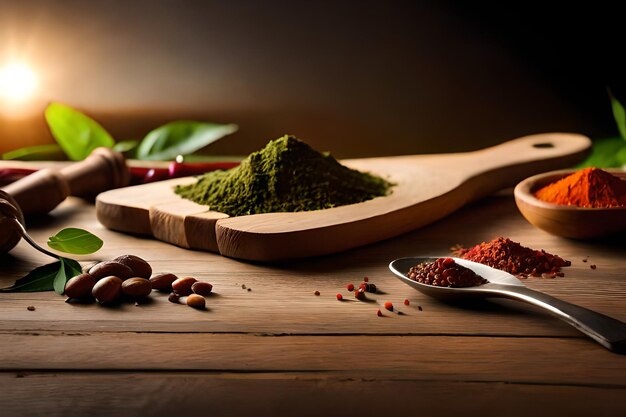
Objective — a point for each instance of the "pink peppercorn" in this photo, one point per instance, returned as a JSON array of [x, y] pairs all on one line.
[[379, 313], [388, 305], [350, 287], [339, 297], [407, 302]]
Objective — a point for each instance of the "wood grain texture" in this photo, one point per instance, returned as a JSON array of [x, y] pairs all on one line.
[[428, 187], [288, 394], [281, 350], [493, 359]]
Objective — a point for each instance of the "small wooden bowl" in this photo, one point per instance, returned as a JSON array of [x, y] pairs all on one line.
[[567, 221]]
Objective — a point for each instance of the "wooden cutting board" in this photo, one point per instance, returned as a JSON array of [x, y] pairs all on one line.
[[428, 187]]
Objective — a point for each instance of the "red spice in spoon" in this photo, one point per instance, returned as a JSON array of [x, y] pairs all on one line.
[[444, 272]]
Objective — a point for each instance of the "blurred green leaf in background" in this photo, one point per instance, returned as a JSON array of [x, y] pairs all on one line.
[[610, 152], [77, 135], [181, 138]]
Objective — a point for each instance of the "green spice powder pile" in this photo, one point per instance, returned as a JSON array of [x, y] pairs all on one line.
[[286, 175]]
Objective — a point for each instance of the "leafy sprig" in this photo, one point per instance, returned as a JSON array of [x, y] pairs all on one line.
[[55, 275], [77, 135]]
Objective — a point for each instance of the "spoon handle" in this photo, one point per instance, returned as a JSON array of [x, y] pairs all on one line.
[[607, 331]]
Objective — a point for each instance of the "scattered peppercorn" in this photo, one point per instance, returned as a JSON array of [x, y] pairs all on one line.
[[379, 313], [366, 279], [350, 287], [30, 308], [359, 294], [593, 266], [506, 255], [249, 289], [243, 286], [445, 272], [316, 293], [388, 305], [419, 308], [586, 260], [407, 302], [339, 297]]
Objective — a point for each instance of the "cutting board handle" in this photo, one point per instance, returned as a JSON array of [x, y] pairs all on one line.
[[508, 163]]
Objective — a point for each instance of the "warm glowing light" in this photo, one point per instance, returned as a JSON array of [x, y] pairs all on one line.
[[18, 82]]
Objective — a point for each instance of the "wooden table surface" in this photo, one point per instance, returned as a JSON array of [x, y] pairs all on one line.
[[280, 350]]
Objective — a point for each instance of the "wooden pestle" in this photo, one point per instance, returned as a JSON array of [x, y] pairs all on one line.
[[43, 190], [40, 192]]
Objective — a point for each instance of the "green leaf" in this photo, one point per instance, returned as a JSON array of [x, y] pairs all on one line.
[[69, 268], [619, 114], [605, 153], [125, 146], [39, 279], [47, 278], [620, 156], [76, 241], [51, 152], [181, 138], [77, 133]]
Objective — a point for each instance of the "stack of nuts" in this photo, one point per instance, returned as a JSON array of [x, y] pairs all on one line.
[[130, 276]]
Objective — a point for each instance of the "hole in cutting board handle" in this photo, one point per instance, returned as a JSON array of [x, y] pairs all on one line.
[[542, 145]]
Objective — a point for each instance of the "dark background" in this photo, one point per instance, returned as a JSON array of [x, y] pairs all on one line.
[[358, 78]]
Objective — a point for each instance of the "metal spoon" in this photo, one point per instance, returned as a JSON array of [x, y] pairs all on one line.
[[607, 331]]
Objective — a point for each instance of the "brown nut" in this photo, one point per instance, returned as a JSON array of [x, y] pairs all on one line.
[[111, 268], [136, 287], [202, 288], [182, 286], [107, 290], [163, 282], [80, 286], [196, 301], [140, 268], [86, 267]]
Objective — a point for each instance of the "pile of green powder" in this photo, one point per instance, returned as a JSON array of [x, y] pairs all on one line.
[[286, 175]]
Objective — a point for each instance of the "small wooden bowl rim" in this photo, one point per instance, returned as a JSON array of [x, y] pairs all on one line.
[[524, 190]]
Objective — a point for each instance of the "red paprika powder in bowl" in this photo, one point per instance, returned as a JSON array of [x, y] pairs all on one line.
[[583, 204]]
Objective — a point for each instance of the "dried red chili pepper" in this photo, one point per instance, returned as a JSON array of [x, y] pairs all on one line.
[[504, 254]]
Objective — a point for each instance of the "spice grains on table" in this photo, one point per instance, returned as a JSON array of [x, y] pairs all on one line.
[[282, 350]]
